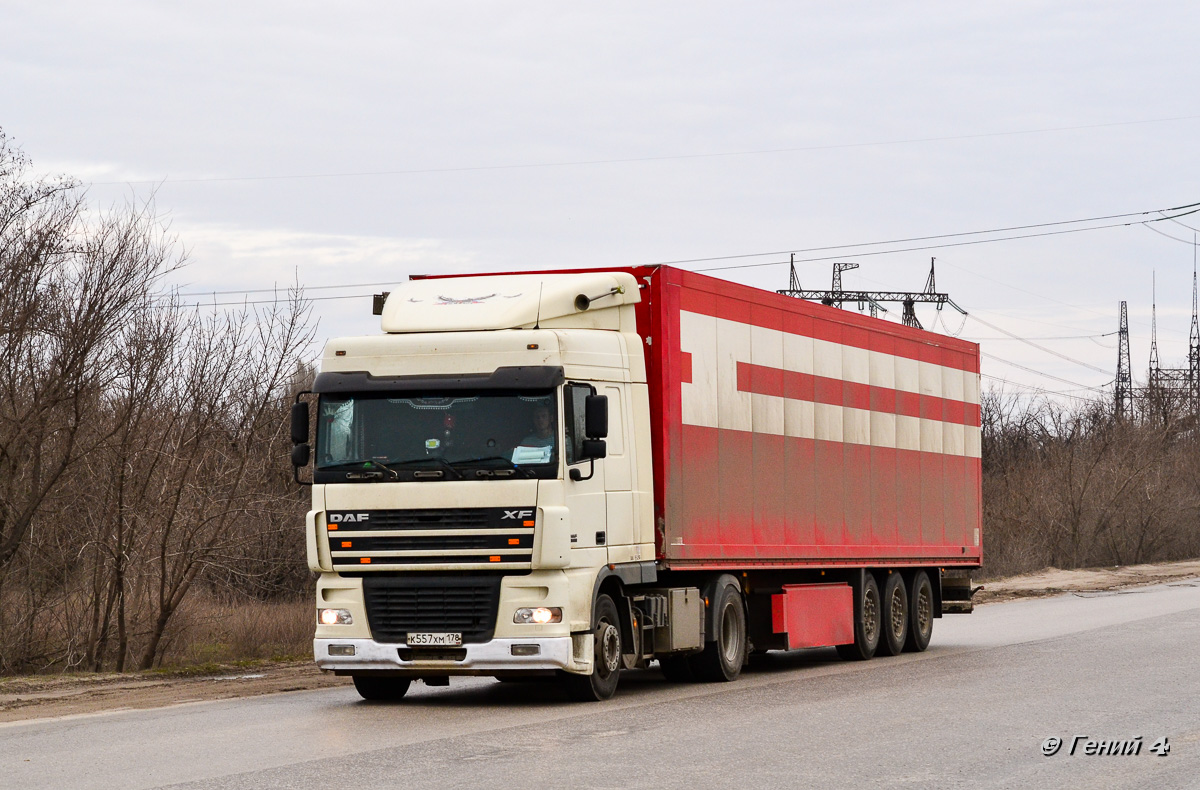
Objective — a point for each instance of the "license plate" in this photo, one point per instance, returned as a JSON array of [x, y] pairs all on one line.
[[437, 640]]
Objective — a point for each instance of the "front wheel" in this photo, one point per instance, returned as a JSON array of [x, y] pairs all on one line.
[[381, 689], [606, 661]]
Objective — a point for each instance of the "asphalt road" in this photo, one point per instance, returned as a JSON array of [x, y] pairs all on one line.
[[973, 711]]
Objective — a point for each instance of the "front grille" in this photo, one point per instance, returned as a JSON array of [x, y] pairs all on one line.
[[434, 542], [397, 605], [441, 518], [488, 537]]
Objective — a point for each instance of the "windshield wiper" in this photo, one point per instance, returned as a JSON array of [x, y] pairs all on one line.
[[395, 475], [435, 458], [362, 469], [511, 467]]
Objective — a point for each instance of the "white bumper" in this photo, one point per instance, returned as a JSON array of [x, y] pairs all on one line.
[[553, 653]]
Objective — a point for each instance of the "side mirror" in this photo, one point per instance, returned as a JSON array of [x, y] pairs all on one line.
[[595, 419], [300, 455], [589, 450], [300, 426], [594, 448]]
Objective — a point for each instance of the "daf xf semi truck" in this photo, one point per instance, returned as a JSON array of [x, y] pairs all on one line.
[[579, 473]]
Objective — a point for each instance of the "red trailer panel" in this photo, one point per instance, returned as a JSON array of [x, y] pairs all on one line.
[[814, 615], [792, 434]]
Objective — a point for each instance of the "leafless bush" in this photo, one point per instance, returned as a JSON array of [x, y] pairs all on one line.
[[142, 449], [213, 628], [1072, 486]]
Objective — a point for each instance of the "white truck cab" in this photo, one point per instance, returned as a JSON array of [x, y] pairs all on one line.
[[462, 516]]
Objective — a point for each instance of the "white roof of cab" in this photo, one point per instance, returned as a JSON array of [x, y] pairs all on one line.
[[509, 301]]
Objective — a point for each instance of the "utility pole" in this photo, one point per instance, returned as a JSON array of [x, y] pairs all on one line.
[[1194, 345], [838, 268], [1154, 367], [1123, 394], [837, 295]]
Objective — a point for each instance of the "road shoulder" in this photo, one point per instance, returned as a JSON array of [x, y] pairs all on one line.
[[47, 696]]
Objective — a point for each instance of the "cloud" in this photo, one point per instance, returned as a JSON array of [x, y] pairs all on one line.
[[228, 257]]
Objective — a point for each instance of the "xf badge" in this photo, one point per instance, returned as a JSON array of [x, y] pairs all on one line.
[[517, 514]]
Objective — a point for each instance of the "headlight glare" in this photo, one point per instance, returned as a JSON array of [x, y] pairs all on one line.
[[538, 615], [335, 617]]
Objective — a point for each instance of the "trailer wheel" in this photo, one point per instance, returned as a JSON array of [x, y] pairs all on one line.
[[606, 663], [381, 689], [894, 615], [920, 623], [866, 622], [722, 659]]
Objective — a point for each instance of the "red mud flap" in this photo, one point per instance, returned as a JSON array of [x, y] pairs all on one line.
[[814, 615]]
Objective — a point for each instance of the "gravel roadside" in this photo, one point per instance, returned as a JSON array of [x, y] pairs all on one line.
[[45, 696]]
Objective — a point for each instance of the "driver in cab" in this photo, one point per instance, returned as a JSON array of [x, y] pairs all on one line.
[[538, 446]]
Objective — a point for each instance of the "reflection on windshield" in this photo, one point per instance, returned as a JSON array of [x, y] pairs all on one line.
[[462, 430]]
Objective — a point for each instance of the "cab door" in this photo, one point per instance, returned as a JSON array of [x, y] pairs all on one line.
[[618, 480], [585, 492]]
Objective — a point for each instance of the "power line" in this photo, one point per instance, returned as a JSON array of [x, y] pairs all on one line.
[[1194, 206], [936, 246], [1189, 227], [632, 160], [277, 301], [1066, 394], [1045, 337], [1029, 342], [1036, 372], [304, 287], [1190, 243], [910, 239]]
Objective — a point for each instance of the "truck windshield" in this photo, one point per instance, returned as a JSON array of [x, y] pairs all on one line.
[[380, 437]]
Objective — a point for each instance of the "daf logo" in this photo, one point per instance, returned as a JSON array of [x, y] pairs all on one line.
[[517, 514], [346, 518]]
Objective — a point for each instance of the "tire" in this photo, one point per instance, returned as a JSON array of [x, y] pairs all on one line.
[[381, 689], [676, 669], [606, 662], [920, 613], [894, 615], [866, 622], [722, 659]]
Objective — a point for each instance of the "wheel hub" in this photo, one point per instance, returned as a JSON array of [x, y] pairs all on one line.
[[608, 647], [870, 616], [924, 611], [898, 614]]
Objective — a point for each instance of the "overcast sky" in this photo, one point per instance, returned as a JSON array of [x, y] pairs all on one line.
[[362, 142]]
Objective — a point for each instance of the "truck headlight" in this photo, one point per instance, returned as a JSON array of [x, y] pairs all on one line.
[[335, 617], [538, 615]]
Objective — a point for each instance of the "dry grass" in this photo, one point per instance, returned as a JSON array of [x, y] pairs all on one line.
[[212, 631]]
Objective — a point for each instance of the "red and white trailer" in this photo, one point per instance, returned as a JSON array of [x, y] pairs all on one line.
[[741, 471], [792, 436]]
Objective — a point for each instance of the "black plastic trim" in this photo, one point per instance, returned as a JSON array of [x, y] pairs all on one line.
[[515, 377]]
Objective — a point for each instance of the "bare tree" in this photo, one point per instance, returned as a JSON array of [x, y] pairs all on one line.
[[142, 443], [69, 286]]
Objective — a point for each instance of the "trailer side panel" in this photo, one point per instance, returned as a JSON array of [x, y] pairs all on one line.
[[796, 434]]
